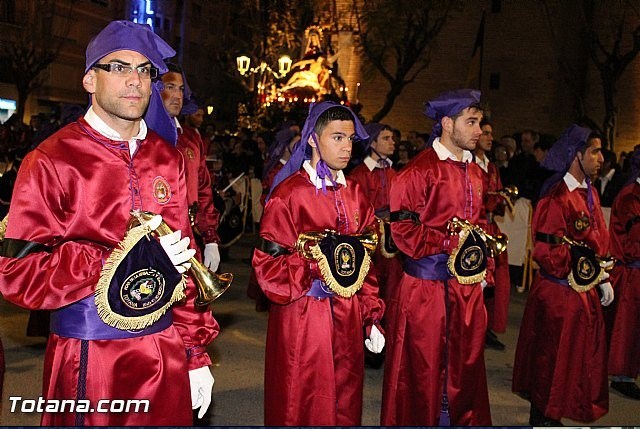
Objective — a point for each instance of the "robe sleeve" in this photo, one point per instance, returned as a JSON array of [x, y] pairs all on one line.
[[627, 207], [416, 240], [287, 277], [550, 218], [196, 325], [208, 216], [40, 210]]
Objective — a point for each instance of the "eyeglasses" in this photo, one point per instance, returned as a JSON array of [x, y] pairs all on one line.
[[145, 72]]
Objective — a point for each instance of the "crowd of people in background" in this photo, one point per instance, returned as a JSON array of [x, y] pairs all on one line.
[[245, 151]]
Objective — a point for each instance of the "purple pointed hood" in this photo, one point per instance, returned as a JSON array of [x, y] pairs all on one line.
[[303, 149], [448, 103]]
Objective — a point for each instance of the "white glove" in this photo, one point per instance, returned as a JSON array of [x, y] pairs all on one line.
[[484, 284], [178, 250], [201, 381], [375, 342], [211, 256], [608, 264], [605, 276], [607, 293]]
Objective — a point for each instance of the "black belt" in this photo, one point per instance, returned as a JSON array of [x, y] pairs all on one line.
[[404, 215], [548, 238], [273, 249], [15, 248]]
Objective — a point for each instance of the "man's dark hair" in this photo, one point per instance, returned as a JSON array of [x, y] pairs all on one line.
[[175, 68], [336, 113], [594, 135], [484, 122]]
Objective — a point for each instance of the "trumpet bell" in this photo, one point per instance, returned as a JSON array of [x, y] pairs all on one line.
[[497, 243], [209, 285]]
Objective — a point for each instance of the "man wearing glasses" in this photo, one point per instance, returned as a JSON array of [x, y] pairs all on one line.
[[69, 214]]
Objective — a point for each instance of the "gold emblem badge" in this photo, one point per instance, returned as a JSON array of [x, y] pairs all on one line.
[[142, 289], [345, 257], [582, 222], [161, 190], [585, 268], [190, 153]]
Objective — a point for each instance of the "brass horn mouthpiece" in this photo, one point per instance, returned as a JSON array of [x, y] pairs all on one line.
[[209, 285]]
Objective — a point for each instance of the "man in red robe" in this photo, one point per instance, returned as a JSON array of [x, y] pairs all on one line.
[[374, 176], [624, 322], [314, 369], [434, 368], [199, 189], [496, 296], [72, 204], [560, 363]]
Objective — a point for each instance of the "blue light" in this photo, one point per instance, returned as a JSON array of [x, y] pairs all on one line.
[[143, 11]]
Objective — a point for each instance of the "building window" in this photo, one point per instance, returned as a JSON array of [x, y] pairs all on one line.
[[494, 81]]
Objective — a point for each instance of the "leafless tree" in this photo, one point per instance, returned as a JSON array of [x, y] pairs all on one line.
[[396, 37], [612, 31], [34, 46]]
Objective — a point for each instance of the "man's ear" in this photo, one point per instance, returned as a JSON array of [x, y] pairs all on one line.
[[89, 81], [311, 142], [447, 124]]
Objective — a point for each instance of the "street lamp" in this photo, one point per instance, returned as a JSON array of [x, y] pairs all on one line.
[[243, 63]]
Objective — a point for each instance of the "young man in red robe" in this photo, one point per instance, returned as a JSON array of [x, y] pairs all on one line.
[[496, 296], [624, 322], [374, 175], [199, 190], [321, 305], [434, 368], [561, 357], [69, 212]]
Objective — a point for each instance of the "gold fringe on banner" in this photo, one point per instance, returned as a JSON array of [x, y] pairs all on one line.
[[327, 275], [105, 312], [3, 227]]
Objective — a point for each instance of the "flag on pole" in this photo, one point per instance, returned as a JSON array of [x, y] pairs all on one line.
[[474, 74]]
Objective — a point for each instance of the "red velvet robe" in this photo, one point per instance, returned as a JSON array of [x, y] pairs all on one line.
[[560, 362], [413, 378], [624, 346], [314, 369], [199, 183], [74, 193], [498, 305], [376, 185]]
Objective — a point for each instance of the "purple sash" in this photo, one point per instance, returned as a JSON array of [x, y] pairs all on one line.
[[563, 282], [432, 267], [320, 290], [80, 320], [634, 264]]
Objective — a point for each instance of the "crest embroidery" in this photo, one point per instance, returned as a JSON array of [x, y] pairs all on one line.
[[161, 190]]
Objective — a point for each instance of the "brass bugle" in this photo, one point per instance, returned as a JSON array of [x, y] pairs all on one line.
[[606, 263], [509, 194], [209, 285], [495, 244], [368, 238]]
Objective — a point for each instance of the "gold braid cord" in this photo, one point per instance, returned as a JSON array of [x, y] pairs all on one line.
[[383, 242], [108, 271], [451, 262], [327, 275], [584, 288], [3, 227]]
